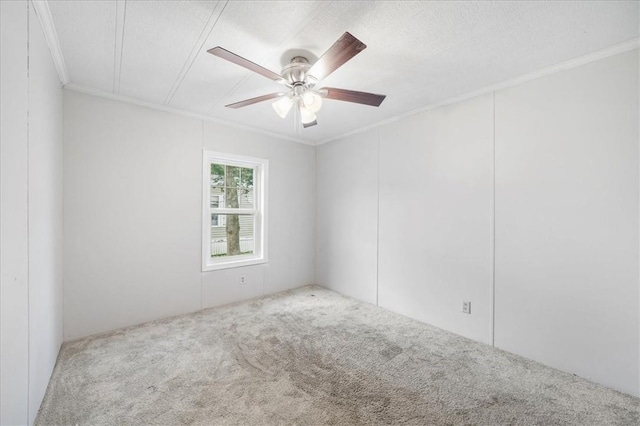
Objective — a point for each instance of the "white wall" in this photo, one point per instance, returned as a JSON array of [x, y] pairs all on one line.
[[404, 216], [129, 217], [45, 215], [347, 216], [436, 217], [14, 214], [30, 214], [132, 203], [567, 221], [564, 224]]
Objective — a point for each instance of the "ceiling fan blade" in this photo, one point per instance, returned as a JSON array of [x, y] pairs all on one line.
[[239, 60], [252, 101], [353, 96], [313, 123], [342, 50]]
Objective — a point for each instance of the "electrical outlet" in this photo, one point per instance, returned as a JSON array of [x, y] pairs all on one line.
[[243, 280], [466, 307]]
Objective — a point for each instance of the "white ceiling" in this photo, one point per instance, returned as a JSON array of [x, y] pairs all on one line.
[[419, 53]]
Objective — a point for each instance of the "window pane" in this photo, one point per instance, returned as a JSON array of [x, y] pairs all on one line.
[[218, 220], [217, 174], [217, 198], [239, 177], [234, 238], [233, 185], [233, 176], [239, 187], [238, 198]]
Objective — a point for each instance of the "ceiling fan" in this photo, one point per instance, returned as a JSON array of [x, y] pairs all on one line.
[[301, 77]]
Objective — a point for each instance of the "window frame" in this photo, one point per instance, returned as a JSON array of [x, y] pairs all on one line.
[[259, 211]]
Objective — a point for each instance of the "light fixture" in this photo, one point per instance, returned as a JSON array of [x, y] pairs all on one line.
[[312, 100], [306, 116], [302, 96], [282, 106], [308, 101]]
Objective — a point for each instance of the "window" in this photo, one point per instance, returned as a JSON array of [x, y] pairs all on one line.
[[234, 215]]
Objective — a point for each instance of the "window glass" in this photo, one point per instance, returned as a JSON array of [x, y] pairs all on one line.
[[222, 245]]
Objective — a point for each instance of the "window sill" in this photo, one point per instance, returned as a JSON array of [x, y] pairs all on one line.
[[216, 266]]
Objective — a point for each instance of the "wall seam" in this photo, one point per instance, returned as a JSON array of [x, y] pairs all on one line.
[[1, 257], [378, 223], [62, 191], [28, 226], [315, 214], [202, 212], [493, 231]]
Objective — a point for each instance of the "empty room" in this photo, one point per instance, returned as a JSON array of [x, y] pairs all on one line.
[[319, 212]]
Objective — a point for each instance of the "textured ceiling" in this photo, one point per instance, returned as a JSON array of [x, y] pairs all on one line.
[[419, 53]]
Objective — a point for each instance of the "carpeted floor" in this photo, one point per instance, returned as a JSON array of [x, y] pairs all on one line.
[[312, 357]]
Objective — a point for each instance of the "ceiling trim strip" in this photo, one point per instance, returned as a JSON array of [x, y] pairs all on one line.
[[41, 8], [138, 102], [197, 48], [121, 10], [572, 63]]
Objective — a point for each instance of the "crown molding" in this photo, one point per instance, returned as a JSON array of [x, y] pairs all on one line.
[[41, 8], [572, 63], [152, 105]]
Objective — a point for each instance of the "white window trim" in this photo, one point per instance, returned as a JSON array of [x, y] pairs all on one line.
[[260, 186]]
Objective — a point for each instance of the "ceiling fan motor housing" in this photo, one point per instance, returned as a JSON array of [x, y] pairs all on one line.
[[295, 73]]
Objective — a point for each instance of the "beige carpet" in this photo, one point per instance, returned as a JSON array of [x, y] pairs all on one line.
[[312, 357]]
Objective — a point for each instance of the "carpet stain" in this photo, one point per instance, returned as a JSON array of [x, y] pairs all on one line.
[[312, 357]]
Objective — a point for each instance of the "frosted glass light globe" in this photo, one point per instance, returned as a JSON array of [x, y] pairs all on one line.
[[306, 116], [312, 101], [282, 106]]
